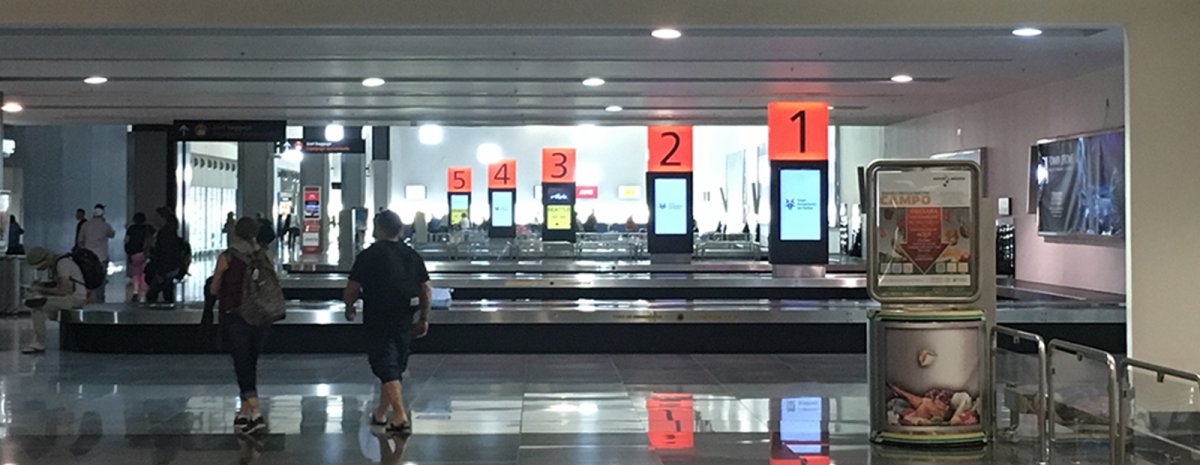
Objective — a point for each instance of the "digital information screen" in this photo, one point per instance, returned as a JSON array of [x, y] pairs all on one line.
[[799, 205], [459, 207], [800, 424], [670, 206], [558, 217], [502, 209]]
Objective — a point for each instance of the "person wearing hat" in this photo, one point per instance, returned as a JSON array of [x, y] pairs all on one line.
[[64, 291], [94, 236]]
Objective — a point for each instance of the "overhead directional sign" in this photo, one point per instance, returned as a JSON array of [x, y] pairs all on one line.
[[320, 146], [230, 131]]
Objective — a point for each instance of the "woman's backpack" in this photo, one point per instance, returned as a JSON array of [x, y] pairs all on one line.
[[262, 296]]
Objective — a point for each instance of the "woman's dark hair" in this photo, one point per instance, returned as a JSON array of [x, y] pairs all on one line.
[[139, 218], [246, 228]]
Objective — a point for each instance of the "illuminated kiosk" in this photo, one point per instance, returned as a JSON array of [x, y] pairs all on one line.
[[502, 195], [558, 194], [798, 149], [669, 237], [928, 345]]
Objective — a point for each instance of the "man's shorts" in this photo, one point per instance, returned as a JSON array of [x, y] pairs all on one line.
[[388, 355]]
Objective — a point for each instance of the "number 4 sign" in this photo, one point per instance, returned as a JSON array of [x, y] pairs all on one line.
[[670, 149], [502, 175], [798, 131]]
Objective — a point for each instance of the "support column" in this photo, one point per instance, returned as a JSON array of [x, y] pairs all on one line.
[[256, 179], [1, 141], [381, 171], [352, 227], [1162, 162], [151, 168]]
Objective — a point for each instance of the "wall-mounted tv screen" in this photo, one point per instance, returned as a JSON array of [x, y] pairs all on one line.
[[1079, 185], [502, 209], [459, 207]]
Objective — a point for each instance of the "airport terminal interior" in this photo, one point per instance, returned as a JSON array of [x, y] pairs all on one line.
[[676, 242]]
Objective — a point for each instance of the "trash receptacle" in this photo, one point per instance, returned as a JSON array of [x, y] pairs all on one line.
[[11, 281]]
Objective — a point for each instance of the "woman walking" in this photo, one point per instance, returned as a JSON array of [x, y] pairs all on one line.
[[137, 236]]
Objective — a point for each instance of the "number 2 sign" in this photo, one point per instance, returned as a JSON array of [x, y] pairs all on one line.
[[670, 149], [458, 180], [798, 131], [558, 165], [502, 175]]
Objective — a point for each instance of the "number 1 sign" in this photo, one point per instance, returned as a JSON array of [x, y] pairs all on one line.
[[798, 131], [670, 149]]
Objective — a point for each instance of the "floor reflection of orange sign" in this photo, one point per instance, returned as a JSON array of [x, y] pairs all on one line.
[[672, 421]]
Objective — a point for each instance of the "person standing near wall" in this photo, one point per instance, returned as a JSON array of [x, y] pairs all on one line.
[[14, 237], [94, 236], [393, 282], [165, 263], [230, 226], [137, 237], [80, 218]]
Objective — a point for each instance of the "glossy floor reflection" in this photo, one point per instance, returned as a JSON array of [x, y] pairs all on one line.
[[75, 408]]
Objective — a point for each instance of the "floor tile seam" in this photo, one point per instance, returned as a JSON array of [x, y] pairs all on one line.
[[711, 375]]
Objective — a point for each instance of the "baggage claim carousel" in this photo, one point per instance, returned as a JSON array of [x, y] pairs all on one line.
[[598, 307]]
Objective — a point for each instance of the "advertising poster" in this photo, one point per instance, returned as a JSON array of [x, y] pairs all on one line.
[[670, 206], [459, 207], [1081, 185], [558, 217], [502, 209], [932, 372], [924, 230], [310, 237], [799, 205]]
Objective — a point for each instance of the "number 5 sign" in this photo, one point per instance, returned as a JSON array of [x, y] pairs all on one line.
[[558, 165], [458, 180], [502, 175], [798, 131], [670, 149]]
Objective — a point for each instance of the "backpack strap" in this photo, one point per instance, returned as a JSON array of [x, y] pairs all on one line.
[[54, 271]]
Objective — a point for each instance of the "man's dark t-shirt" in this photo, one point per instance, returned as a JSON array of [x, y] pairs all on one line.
[[391, 274]]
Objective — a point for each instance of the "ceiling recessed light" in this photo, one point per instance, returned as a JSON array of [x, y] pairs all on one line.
[[902, 78], [666, 33], [96, 80], [430, 134], [335, 132], [373, 82], [613, 108], [489, 153], [829, 107], [1027, 32], [11, 107], [593, 82]]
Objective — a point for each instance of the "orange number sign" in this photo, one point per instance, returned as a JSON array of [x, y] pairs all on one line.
[[670, 149], [458, 180], [798, 131], [502, 175], [558, 165]]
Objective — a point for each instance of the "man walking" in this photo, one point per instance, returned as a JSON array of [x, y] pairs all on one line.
[[392, 280], [94, 236]]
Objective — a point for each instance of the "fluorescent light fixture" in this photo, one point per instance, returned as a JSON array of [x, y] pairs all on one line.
[[430, 134], [613, 108], [95, 80], [335, 132], [666, 33], [1027, 32], [489, 153], [902, 78], [292, 156], [373, 82], [11, 107], [829, 107], [593, 82]]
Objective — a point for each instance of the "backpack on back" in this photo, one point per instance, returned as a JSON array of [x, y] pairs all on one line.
[[90, 267], [262, 296], [185, 258]]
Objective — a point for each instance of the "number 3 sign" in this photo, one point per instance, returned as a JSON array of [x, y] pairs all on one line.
[[798, 131], [558, 165], [670, 149]]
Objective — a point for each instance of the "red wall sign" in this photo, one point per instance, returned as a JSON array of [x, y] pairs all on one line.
[[458, 180], [558, 165], [310, 235], [798, 131], [587, 192], [670, 149], [502, 175]]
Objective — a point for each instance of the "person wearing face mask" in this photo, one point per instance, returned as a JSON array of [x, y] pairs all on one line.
[[94, 236]]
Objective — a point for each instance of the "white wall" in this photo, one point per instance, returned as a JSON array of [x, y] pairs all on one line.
[[1007, 127], [607, 157]]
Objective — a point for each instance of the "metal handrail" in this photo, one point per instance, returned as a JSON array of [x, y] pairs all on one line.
[[1043, 386], [1128, 393], [1115, 434]]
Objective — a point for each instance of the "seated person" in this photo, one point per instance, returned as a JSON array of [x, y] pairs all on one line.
[[64, 291]]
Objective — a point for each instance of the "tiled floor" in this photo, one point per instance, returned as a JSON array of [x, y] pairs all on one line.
[[76, 408]]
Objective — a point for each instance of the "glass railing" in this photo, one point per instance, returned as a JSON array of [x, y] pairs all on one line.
[[1019, 367], [1160, 413]]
